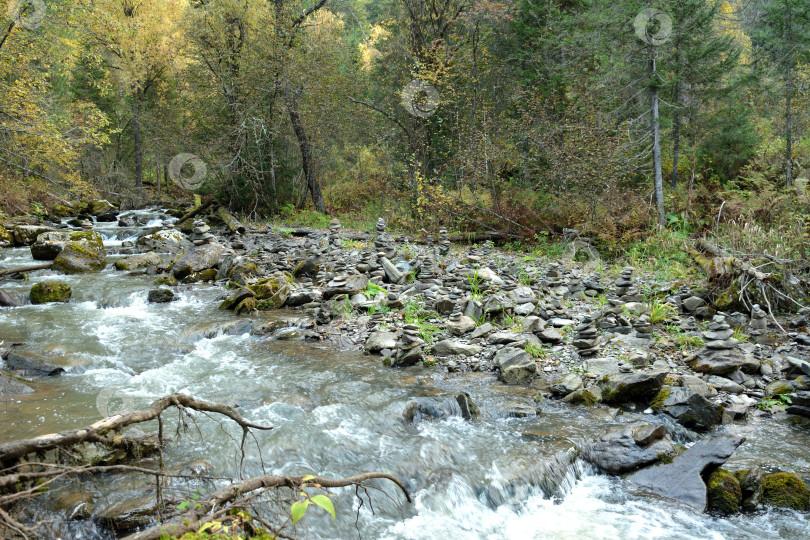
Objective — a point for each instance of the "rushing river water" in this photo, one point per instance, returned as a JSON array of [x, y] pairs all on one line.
[[339, 414]]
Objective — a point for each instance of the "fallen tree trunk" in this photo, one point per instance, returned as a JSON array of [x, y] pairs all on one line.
[[10, 452], [11, 271], [740, 265], [220, 500], [202, 208], [233, 224]]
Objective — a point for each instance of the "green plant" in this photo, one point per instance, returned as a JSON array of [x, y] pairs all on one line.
[[767, 403], [524, 278], [429, 361], [475, 279], [537, 351], [299, 507], [372, 290], [683, 340], [741, 336], [661, 312]]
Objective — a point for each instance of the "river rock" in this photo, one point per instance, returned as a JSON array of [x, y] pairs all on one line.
[[273, 292], [6, 300], [50, 291], [458, 324], [450, 347], [632, 387], [619, 450], [441, 408], [160, 296], [688, 407], [10, 386], [197, 259], [751, 486], [504, 338], [381, 340], [135, 262], [97, 207], [516, 365], [129, 514], [785, 490], [32, 364], [570, 383], [25, 235], [550, 335], [83, 254], [48, 245], [235, 299], [717, 361], [308, 267], [164, 241], [723, 492], [682, 480], [6, 238]]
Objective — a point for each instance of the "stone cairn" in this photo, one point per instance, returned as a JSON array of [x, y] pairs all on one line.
[[719, 335], [383, 243], [758, 326], [626, 289], [588, 338], [427, 270], [334, 232], [409, 346], [200, 234], [444, 243]]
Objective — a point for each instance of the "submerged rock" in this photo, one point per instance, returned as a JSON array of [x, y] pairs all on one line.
[[160, 296], [785, 490], [682, 480], [441, 408], [627, 448], [135, 262], [11, 386]]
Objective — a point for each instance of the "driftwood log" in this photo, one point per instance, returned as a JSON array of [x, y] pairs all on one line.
[[233, 224], [10, 271], [197, 211]]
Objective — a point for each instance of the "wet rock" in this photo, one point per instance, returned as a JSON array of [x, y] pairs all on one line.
[[71, 503], [550, 335], [25, 235], [48, 245], [239, 296], [6, 238], [516, 365], [723, 492], [134, 262], [273, 292], [751, 486], [10, 386], [160, 296], [128, 515], [618, 451], [688, 407], [83, 254], [197, 259], [570, 383], [450, 347], [441, 408], [32, 364], [164, 241], [785, 490], [632, 387], [301, 297], [717, 362], [97, 207], [380, 340], [50, 291], [6, 300], [409, 347], [682, 480]]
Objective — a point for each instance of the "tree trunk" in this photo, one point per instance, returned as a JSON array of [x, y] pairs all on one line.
[[676, 128], [306, 155], [655, 126], [136, 128]]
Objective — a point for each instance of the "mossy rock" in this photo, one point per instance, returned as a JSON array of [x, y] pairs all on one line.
[[169, 280], [89, 238], [186, 226], [785, 490], [50, 291], [62, 210], [84, 253], [205, 275], [273, 292], [777, 388], [583, 396], [724, 492], [245, 306], [6, 240], [658, 401]]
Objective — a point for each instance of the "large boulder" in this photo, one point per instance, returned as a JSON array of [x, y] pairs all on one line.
[[6, 239], [272, 292], [460, 326], [25, 235], [688, 407], [627, 448], [568, 384], [381, 340], [48, 245], [134, 262], [785, 490], [516, 365], [197, 259], [33, 364], [6, 300], [632, 387], [717, 361], [83, 254], [724, 492], [682, 480], [97, 207], [50, 291]]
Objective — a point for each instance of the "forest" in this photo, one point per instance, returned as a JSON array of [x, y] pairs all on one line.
[[490, 269]]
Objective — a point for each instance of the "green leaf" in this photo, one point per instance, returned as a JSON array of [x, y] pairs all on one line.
[[308, 477], [298, 510], [183, 505], [326, 503]]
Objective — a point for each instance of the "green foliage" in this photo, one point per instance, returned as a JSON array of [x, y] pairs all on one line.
[[474, 279], [372, 290], [661, 312], [767, 403]]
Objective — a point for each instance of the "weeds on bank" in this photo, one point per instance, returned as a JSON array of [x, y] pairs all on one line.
[[663, 254], [415, 314], [661, 312]]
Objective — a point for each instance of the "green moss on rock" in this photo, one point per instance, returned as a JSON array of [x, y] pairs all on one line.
[[6, 240], [785, 490], [658, 401], [166, 280], [50, 291], [245, 306], [724, 492]]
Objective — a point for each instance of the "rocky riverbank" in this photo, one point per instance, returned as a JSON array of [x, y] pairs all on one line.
[[571, 329]]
